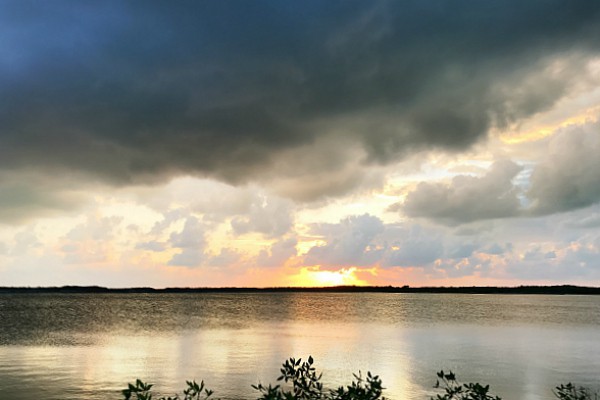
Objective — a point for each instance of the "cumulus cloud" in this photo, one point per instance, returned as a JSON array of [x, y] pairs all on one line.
[[278, 254], [563, 178], [349, 243], [497, 249], [25, 241], [91, 241], [192, 248], [267, 215], [557, 262], [247, 209], [413, 246], [151, 246], [462, 250], [132, 93], [366, 241], [215, 201], [467, 198], [224, 259], [192, 243], [95, 228], [568, 177]]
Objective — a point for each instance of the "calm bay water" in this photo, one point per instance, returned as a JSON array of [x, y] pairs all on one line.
[[88, 346]]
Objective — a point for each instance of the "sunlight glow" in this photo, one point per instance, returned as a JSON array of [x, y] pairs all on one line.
[[309, 277], [588, 116]]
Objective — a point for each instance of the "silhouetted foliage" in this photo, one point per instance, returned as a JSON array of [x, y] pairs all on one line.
[[300, 381], [571, 392], [467, 391], [141, 391], [306, 385]]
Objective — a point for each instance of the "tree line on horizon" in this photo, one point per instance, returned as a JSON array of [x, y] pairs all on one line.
[[555, 289]]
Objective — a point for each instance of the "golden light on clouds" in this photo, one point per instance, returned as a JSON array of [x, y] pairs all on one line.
[[588, 116]]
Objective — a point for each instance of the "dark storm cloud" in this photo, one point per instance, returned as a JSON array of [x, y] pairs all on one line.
[[138, 91], [33, 194], [18, 201]]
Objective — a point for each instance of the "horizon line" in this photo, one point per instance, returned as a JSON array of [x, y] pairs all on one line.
[[521, 289]]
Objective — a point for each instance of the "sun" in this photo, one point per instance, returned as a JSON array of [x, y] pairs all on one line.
[[310, 277]]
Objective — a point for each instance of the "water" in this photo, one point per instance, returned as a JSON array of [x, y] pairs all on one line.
[[88, 346]]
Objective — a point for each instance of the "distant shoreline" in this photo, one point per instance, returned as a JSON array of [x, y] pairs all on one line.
[[553, 290]]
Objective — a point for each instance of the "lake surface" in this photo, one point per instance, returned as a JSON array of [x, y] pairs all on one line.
[[89, 346]]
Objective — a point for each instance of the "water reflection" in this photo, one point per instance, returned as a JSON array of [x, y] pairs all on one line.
[[89, 346]]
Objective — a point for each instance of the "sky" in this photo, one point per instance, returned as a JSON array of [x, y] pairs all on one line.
[[286, 143]]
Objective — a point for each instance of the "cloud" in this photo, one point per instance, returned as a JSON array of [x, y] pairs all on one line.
[[135, 93], [151, 246], [215, 201], [191, 236], [278, 254], [225, 258], [349, 243], [192, 243], [193, 250], [562, 178], [267, 215], [26, 195], [247, 209], [568, 178], [463, 250], [187, 258], [328, 167], [467, 198], [413, 246], [95, 228], [587, 221], [557, 262], [92, 242], [25, 241], [497, 249]]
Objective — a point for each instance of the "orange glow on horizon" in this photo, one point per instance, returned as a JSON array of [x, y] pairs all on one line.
[[309, 277]]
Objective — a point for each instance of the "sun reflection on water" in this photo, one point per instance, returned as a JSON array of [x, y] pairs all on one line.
[[232, 341]]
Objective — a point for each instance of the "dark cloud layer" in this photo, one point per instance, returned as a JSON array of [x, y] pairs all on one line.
[[139, 91], [33, 194]]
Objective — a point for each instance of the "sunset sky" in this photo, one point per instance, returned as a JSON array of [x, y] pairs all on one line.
[[277, 143]]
